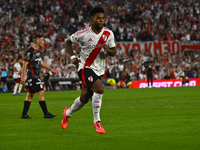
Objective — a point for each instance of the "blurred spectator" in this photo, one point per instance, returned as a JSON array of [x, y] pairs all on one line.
[[57, 88], [4, 77]]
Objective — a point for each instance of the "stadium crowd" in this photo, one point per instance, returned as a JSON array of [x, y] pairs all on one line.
[[130, 20]]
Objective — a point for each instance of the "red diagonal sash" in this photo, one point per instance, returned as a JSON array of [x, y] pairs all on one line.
[[89, 61]]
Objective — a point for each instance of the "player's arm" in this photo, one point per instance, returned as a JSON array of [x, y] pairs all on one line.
[[110, 48], [24, 68], [111, 51], [43, 64], [68, 45]]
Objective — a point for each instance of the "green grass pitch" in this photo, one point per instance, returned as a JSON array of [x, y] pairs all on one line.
[[134, 119]]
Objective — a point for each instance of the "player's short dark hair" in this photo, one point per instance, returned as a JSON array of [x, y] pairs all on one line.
[[95, 10], [37, 36], [19, 57]]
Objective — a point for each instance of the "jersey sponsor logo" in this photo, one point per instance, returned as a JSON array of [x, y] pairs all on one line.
[[93, 46], [37, 54], [38, 59], [90, 40], [28, 54], [90, 78]]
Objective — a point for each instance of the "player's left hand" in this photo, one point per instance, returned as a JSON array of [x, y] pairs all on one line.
[[110, 50], [106, 48]]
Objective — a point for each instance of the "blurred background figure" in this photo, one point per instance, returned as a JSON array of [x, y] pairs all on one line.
[[46, 79], [4, 77], [149, 73], [17, 76]]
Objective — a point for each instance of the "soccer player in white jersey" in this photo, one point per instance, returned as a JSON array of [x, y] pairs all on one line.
[[17, 77], [95, 42]]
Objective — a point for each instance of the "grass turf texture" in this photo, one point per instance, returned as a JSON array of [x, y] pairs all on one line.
[[156, 118]]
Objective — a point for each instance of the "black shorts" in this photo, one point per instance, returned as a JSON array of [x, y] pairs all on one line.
[[17, 80], [4, 79], [90, 77], [34, 85]]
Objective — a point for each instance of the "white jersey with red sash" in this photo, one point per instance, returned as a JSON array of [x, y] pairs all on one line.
[[92, 54], [17, 68]]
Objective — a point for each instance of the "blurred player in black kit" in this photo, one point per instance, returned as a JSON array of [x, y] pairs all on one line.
[[32, 64], [46, 80], [149, 72]]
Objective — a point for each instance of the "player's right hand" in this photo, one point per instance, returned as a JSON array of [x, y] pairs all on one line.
[[75, 61]]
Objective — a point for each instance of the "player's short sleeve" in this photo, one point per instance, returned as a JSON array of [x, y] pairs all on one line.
[[111, 41], [28, 55], [75, 38]]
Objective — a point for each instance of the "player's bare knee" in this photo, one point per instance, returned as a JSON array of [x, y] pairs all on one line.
[[98, 87], [100, 91], [29, 96]]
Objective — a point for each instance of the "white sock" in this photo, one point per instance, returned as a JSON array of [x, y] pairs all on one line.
[[20, 88], [75, 106], [96, 105], [15, 88]]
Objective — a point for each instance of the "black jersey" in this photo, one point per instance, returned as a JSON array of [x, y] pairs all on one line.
[[34, 57], [149, 71]]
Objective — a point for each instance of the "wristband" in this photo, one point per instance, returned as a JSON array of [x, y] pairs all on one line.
[[72, 57]]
